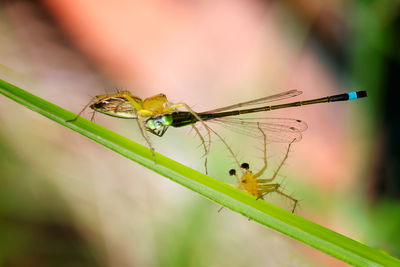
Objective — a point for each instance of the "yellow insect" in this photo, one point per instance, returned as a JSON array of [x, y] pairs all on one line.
[[252, 183], [152, 114]]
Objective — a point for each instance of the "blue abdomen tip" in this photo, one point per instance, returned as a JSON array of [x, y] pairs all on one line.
[[352, 95]]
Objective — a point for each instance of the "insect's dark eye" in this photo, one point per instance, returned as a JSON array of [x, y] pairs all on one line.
[[232, 172], [245, 166], [97, 105]]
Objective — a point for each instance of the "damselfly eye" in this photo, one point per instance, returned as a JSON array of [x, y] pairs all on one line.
[[232, 172], [158, 124], [167, 120], [150, 124]]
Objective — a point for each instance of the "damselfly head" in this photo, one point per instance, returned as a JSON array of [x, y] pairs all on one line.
[[159, 121]]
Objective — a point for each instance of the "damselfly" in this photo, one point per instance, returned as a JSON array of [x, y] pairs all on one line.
[[156, 114]]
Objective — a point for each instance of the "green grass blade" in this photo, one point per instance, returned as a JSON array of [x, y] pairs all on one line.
[[263, 212]]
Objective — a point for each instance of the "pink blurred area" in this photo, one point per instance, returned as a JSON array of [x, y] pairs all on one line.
[[167, 44], [214, 53]]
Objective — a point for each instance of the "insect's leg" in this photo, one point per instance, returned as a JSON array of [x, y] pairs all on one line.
[[230, 151], [265, 189], [270, 188], [163, 131], [128, 96], [289, 197], [240, 185], [84, 108], [204, 146], [118, 106], [209, 130], [145, 135], [280, 165], [258, 174], [92, 117], [175, 106]]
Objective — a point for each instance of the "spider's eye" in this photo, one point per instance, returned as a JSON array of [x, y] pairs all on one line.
[[232, 172]]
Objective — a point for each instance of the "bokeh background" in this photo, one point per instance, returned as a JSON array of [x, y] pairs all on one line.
[[67, 201]]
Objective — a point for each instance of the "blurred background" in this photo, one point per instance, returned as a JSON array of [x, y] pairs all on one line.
[[67, 201]]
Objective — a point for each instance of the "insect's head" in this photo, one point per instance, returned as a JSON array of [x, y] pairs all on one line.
[[245, 166], [157, 122]]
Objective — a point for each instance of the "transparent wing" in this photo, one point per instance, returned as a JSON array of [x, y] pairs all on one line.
[[279, 130], [263, 100]]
